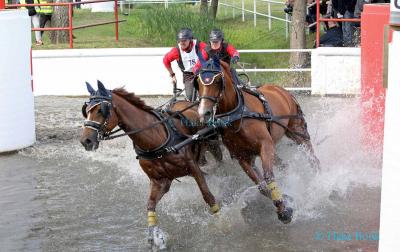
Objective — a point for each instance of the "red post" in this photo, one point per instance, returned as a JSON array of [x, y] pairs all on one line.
[[71, 45], [116, 19], [373, 20], [318, 26], [2, 4]]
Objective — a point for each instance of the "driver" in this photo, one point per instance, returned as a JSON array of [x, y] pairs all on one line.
[[185, 53], [217, 46]]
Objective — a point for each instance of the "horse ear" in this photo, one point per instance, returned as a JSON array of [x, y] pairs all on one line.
[[90, 89], [102, 88]]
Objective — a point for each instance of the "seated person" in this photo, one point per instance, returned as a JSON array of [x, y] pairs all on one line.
[[333, 36], [217, 46], [185, 53]]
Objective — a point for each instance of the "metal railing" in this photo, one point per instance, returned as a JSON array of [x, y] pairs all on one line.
[[166, 3], [70, 27], [271, 70], [257, 13]]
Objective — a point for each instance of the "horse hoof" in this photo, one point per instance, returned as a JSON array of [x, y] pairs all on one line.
[[202, 162], [286, 215], [157, 238], [287, 198]]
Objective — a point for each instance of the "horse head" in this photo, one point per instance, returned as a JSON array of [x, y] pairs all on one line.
[[100, 116], [211, 85]]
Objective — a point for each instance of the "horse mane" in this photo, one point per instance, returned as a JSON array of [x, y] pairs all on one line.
[[226, 68], [132, 99]]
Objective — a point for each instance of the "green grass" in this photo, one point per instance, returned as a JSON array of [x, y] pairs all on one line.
[[154, 26]]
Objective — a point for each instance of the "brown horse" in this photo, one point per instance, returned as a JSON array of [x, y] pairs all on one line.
[[106, 109], [254, 127]]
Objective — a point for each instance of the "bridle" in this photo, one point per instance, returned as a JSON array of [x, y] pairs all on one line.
[[105, 108], [208, 81]]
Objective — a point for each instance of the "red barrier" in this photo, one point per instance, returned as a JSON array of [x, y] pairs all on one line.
[[373, 20], [2, 4], [70, 28]]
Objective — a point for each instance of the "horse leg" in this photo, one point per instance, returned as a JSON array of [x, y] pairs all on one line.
[[156, 236], [304, 140], [200, 156], [215, 149], [284, 212], [249, 167], [205, 191]]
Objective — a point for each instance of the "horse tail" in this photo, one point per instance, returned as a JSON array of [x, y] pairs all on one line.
[[298, 125]]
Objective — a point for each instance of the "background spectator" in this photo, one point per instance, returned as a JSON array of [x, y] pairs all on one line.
[[33, 13], [45, 14], [345, 9], [333, 36]]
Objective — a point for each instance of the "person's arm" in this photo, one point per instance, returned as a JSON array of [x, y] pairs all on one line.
[[233, 53], [168, 58]]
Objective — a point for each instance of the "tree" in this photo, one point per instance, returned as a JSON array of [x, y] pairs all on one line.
[[204, 8], [60, 19], [298, 40], [213, 9]]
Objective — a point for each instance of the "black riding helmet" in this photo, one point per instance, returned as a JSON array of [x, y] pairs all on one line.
[[184, 33], [216, 35]]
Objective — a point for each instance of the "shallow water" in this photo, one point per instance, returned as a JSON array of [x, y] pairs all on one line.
[[55, 196]]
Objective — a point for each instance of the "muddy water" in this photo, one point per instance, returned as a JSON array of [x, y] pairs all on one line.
[[54, 196]]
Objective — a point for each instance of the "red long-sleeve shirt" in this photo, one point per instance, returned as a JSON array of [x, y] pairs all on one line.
[[229, 49], [174, 53]]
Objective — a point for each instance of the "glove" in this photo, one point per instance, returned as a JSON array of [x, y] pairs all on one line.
[[235, 59], [339, 15], [173, 79]]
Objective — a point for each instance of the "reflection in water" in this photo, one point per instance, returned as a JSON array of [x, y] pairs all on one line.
[[55, 196]]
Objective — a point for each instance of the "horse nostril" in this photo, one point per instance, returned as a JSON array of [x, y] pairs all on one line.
[[86, 142], [207, 115]]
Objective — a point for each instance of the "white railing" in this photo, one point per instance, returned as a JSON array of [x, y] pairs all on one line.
[[139, 69], [256, 13], [265, 70], [166, 3]]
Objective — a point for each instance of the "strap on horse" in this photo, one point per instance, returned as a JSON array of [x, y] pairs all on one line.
[[174, 136], [242, 111]]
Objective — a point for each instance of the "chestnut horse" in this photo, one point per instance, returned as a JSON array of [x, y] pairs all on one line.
[[106, 109], [258, 119]]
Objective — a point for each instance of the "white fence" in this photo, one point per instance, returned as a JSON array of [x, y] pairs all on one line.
[[141, 70]]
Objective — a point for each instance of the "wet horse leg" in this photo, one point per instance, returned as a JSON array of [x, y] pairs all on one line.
[[300, 126], [248, 165], [215, 149], [157, 190], [201, 182], [267, 157]]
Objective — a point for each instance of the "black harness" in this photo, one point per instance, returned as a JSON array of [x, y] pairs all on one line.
[[173, 137], [241, 110]]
